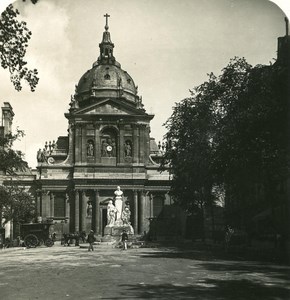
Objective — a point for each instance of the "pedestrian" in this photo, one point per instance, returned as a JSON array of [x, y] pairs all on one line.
[[124, 239], [91, 240]]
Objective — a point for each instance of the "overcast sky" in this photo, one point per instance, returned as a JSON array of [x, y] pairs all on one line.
[[167, 46]]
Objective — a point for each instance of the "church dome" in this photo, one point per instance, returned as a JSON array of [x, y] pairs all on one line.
[[106, 78]]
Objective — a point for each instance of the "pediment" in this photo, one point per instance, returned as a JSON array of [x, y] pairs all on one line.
[[110, 107]]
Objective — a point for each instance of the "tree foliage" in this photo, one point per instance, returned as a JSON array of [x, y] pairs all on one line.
[[11, 161], [231, 133], [16, 204], [14, 37]]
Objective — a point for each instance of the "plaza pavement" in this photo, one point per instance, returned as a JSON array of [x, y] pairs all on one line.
[[145, 273]]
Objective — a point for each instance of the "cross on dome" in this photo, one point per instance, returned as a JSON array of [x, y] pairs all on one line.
[[106, 16]]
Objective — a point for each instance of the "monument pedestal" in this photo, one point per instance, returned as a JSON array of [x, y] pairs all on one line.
[[114, 233]]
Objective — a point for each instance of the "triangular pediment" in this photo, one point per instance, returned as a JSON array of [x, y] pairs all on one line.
[[110, 107]]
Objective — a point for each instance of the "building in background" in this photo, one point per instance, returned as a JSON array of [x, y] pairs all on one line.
[[22, 179], [108, 145]]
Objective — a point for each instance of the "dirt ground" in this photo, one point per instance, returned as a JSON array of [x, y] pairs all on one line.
[[145, 273]]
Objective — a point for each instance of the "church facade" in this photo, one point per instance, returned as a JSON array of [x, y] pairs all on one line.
[[108, 145]]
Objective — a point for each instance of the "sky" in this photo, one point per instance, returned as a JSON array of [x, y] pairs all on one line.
[[167, 46]]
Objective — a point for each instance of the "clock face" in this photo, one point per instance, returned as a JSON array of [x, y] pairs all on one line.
[[109, 148]]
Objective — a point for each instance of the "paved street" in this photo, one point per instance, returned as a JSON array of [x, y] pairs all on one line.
[[145, 273]]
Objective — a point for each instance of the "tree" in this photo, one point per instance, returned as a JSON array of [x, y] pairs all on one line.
[[16, 204], [232, 134], [14, 37], [11, 161], [189, 150]]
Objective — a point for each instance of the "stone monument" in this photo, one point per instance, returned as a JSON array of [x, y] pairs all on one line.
[[118, 218]]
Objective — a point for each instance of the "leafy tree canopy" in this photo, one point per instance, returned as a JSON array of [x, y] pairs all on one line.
[[231, 132], [16, 204], [14, 37], [11, 161]]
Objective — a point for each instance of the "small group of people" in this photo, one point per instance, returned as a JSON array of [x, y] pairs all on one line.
[[91, 239]]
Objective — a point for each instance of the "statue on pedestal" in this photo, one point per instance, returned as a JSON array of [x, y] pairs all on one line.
[[118, 202], [126, 214], [111, 213]]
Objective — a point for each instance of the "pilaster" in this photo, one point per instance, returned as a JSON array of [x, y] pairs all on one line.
[[142, 144], [51, 212], [84, 143], [121, 145], [97, 211], [84, 210], [135, 211], [77, 211], [67, 206], [142, 212], [97, 144], [135, 144]]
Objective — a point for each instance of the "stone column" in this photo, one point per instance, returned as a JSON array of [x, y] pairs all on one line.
[[45, 207], [142, 212], [51, 213], [97, 212], [41, 203], [77, 211], [38, 203], [67, 206], [151, 205], [135, 212], [84, 211]]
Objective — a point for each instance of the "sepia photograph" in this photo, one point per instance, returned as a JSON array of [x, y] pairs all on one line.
[[145, 149]]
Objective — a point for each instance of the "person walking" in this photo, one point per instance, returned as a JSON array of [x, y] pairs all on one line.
[[124, 239], [91, 240]]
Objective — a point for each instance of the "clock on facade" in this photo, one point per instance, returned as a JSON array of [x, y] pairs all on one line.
[[109, 148]]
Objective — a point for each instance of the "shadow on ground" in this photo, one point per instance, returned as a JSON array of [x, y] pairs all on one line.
[[201, 251], [207, 289]]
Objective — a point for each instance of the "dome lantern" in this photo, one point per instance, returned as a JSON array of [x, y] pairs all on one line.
[[106, 46], [106, 78]]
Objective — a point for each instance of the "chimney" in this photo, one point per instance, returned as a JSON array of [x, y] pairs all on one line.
[[283, 56], [7, 118]]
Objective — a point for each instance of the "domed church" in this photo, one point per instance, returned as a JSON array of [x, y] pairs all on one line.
[[108, 145]]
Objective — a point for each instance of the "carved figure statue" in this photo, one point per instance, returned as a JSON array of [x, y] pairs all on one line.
[[118, 202], [104, 148], [39, 155], [111, 213], [90, 149], [89, 209], [44, 155], [126, 214], [128, 149]]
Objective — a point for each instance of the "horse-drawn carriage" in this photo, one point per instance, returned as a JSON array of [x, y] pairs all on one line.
[[36, 234]]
